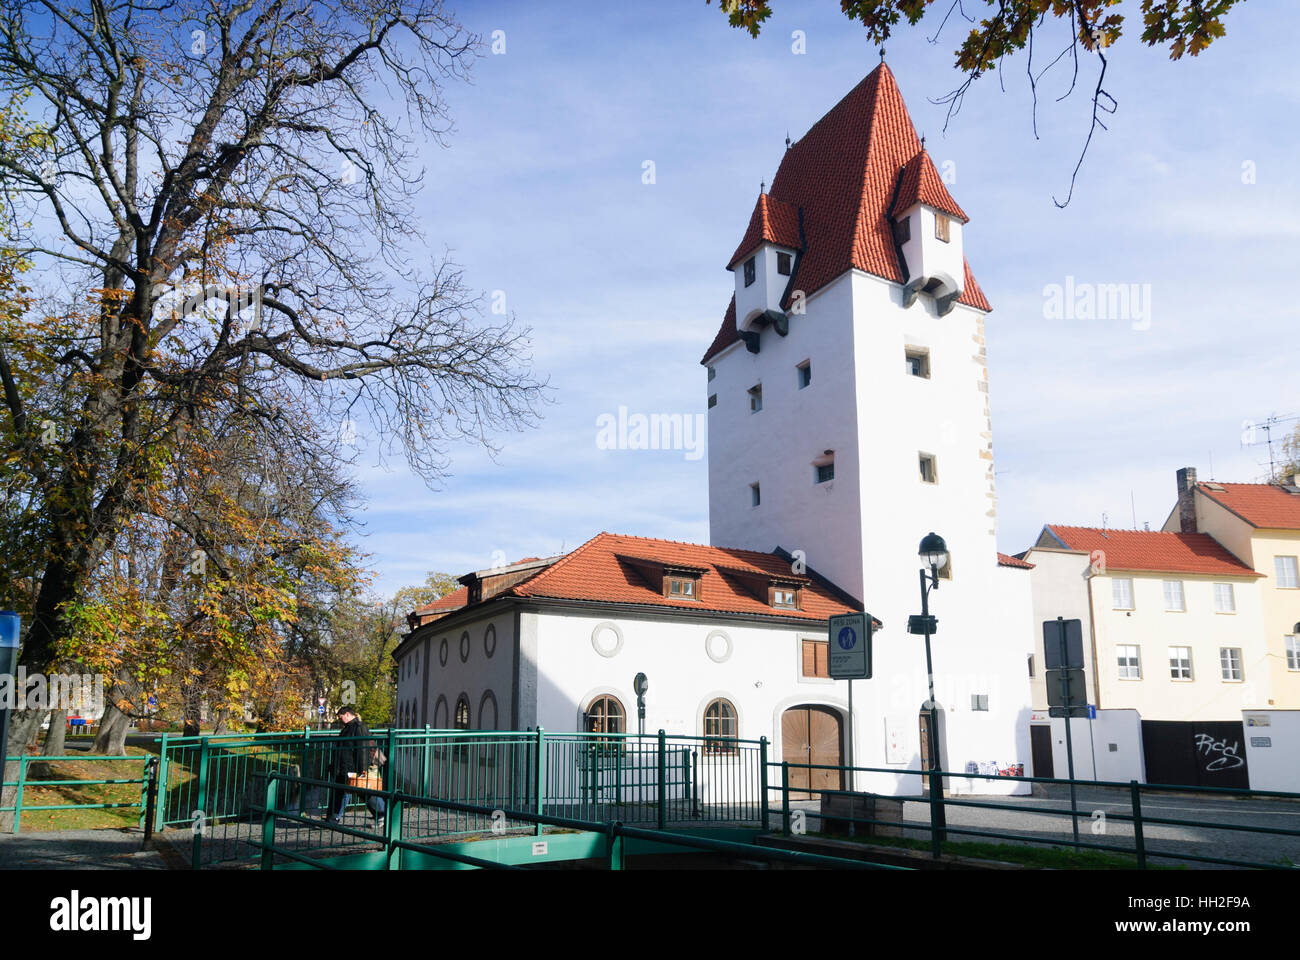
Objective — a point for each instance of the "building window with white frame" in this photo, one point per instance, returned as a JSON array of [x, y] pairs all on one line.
[[1230, 663], [1174, 601], [1287, 576], [1130, 664], [1121, 593], [1180, 663], [1224, 600], [1293, 652]]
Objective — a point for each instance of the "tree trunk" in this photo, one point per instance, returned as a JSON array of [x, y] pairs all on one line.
[[113, 728], [55, 738], [116, 723], [220, 726]]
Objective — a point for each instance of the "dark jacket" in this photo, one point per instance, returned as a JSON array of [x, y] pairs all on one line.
[[354, 756]]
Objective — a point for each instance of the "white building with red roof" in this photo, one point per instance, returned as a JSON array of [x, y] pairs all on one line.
[[848, 417], [1197, 621]]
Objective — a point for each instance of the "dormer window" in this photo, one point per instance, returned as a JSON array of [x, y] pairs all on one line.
[[783, 264], [785, 596], [750, 272], [682, 588], [941, 227]]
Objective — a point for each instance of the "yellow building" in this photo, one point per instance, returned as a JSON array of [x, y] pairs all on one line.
[[1173, 622], [1260, 524]]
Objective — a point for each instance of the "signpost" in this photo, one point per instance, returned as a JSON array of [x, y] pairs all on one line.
[[849, 658], [10, 628], [1067, 694]]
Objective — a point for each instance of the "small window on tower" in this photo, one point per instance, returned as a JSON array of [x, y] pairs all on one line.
[[755, 497], [929, 472], [804, 371], [825, 472], [918, 362], [712, 373], [713, 400], [783, 264], [941, 227], [756, 398], [749, 271]]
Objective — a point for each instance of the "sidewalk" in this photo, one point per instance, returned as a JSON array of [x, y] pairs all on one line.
[[79, 850]]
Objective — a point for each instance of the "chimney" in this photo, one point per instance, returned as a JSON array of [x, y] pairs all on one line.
[[1186, 503]]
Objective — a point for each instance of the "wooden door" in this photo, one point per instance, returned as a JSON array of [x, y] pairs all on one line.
[[812, 735], [1040, 748], [925, 750]]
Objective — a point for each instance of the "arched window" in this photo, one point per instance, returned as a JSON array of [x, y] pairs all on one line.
[[605, 714], [462, 713], [720, 727], [440, 712]]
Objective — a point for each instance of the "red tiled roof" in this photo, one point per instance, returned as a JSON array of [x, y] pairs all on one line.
[[600, 571], [1259, 504], [921, 183], [1006, 560], [843, 174], [1154, 550], [450, 601], [772, 220]]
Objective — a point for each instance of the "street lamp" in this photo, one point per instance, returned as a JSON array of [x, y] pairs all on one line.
[[934, 554]]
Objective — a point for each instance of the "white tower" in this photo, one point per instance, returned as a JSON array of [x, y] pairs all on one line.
[[848, 417]]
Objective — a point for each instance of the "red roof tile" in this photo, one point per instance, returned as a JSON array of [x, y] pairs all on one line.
[[1154, 550], [1006, 560], [921, 183], [772, 220], [449, 601], [1259, 504], [843, 175], [600, 570]]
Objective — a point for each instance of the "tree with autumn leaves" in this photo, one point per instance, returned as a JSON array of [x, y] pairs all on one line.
[[224, 271]]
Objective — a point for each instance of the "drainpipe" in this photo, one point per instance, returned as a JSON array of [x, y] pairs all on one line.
[[1092, 634]]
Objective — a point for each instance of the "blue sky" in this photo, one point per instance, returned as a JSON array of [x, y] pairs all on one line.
[[540, 195]]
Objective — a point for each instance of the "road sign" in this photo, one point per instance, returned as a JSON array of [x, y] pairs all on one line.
[[1075, 695], [1078, 711], [321, 710], [1072, 656], [849, 637]]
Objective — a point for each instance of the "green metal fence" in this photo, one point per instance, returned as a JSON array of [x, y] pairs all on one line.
[[213, 785], [584, 839], [40, 766], [938, 830]]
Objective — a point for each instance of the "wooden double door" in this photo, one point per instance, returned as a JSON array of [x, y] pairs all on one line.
[[812, 734]]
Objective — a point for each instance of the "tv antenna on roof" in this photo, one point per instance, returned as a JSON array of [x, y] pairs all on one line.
[[1248, 439]]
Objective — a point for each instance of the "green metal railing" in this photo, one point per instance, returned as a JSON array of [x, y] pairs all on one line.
[[147, 781], [398, 805], [1133, 791], [213, 785]]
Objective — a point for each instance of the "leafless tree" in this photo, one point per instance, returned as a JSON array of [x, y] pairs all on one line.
[[265, 145]]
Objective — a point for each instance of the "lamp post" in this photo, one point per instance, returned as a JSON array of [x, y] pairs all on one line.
[[934, 554]]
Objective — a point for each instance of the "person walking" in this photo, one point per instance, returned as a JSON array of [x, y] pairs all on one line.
[[353, 757]]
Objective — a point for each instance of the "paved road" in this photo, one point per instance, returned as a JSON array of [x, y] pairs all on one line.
[[1198, 841]]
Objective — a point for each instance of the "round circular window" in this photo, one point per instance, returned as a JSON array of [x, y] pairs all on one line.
[[442, 652], [490, 640], [718, 646], [464, 646], [607, 638]]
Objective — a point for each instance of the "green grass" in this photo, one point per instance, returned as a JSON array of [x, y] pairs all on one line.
[[91, 768], [1039, 857]]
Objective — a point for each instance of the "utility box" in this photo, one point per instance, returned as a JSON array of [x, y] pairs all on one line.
[[837, 806]]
